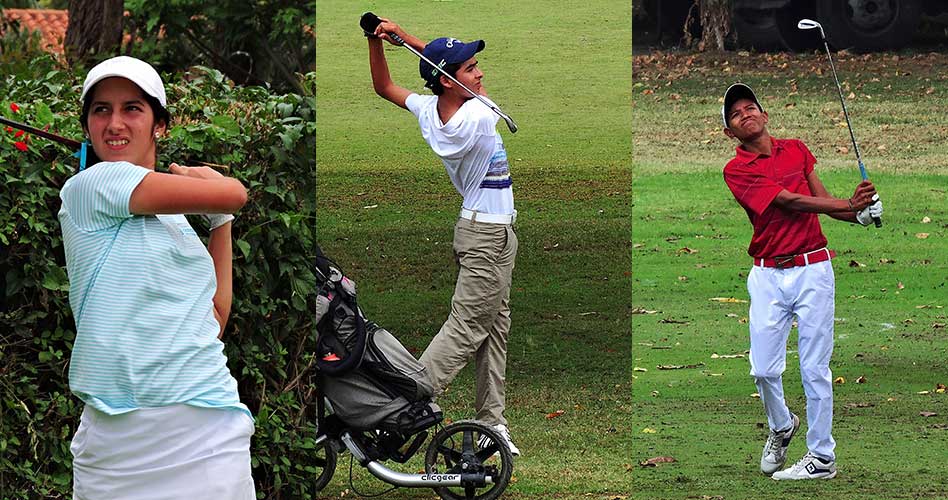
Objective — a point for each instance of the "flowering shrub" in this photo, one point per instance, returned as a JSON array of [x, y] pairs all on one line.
[[268, 142]]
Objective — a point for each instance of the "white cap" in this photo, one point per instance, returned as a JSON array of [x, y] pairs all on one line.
[[136, 70]]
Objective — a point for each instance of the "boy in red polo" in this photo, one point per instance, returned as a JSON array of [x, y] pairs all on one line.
[[776, 184]]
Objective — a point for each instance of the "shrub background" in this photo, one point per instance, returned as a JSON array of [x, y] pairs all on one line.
[[268, 141]]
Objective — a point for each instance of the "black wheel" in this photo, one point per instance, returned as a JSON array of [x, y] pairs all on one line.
[[869, 24], [324, 462], [470, 446], [775, 28], [757, 29]]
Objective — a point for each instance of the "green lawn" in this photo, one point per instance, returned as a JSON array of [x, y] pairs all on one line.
[[689, 246], [387, 210]]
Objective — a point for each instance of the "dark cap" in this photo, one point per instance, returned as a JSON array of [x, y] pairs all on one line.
[[735, 93], [444, 51]]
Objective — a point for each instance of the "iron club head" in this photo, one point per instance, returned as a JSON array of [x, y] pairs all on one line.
[[808, 24]]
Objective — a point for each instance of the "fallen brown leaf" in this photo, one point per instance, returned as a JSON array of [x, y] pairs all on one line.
[[839, 380], [731, 300], [853, 263], [926, 220], [642, 310], [654, 461], [557, 413], [679, 367], [928, 414], [921, 236], [861, 380]]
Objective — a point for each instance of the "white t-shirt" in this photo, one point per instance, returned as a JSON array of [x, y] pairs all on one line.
[[472, 152]]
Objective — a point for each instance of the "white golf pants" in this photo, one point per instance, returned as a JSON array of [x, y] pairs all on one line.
[[777, 295]]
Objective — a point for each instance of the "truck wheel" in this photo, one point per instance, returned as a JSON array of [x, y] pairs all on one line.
[[866, 25]]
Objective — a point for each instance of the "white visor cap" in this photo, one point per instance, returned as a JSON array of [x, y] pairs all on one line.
[[139, 72]]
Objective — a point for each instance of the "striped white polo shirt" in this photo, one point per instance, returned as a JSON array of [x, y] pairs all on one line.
[[141, 290], [471, 150]]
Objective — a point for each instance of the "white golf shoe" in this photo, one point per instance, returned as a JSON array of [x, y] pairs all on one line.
[[809, 467], [504, 433], [775, 449]]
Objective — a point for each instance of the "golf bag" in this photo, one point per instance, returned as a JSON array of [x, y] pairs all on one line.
[[369, 378]]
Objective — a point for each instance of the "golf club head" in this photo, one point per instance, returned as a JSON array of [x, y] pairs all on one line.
[[369, 22], [808, 24], [510, 123]]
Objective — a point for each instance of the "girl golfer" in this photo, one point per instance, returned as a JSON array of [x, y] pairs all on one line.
[[162, 417]]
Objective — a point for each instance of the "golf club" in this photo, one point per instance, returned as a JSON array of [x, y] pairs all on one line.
[[370, 21], [808, 24], [84, 149]]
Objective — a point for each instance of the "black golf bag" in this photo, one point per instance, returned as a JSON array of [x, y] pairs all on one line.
[[371, 381]]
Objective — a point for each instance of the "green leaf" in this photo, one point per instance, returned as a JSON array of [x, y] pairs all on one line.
[[56, 279], [244, 247]]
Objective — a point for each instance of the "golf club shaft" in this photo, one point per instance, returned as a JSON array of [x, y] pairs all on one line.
[[509, 121], [42, 133], [862, 168]]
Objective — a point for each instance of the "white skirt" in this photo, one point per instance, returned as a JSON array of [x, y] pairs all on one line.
[[168, 453]]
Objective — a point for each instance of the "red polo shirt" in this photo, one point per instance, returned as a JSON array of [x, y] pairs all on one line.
[[756, 179]]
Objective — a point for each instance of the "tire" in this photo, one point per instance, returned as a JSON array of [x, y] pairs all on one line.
[[325, 462], [866, 25], [443, 457], [776, 28], [757, 29]]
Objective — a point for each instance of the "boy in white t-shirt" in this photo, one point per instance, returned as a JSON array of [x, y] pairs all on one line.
[[461, 130]]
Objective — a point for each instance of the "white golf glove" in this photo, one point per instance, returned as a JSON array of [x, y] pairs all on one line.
[[873, 211], [215, 221]]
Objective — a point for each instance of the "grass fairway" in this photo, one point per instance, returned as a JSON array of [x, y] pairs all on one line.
[[387, 211], [689, 246]]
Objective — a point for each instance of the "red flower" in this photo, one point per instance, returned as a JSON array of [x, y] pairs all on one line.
[[18, 134], [14, 107], [9, 129], [20, 145]]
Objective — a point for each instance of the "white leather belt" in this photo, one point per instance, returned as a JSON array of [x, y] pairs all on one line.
[[473, 216]]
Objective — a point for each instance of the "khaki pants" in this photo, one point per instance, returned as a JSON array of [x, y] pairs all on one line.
[[480, 316]]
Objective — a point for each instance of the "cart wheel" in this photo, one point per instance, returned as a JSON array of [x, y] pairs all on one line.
[[324, 462], [470, 446]]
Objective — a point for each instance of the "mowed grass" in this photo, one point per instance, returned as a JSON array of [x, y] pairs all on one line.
[[387, 211], [689, 247]]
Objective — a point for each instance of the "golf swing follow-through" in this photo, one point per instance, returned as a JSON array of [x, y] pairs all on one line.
[[791, 278], [459, 123], [370, 23], [808, 24]]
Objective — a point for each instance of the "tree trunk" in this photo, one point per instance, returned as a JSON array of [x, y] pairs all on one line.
[[95, 29], [715, 24]]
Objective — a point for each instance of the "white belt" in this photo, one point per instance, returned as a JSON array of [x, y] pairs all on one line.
[[473, 216]]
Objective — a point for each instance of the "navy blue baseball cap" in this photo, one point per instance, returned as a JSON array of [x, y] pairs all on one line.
[[444, 51]]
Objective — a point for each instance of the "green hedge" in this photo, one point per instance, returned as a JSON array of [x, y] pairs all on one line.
[[269, 143]]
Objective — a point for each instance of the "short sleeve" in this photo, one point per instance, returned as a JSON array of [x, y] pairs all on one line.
[[98, 197], [808, 159], [415, 103], [753, 190]]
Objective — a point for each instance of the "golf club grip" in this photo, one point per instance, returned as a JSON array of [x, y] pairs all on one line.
[[369, 22]]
